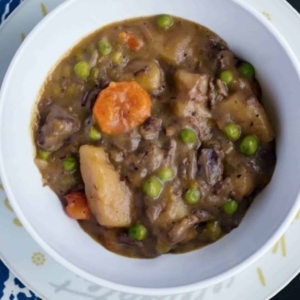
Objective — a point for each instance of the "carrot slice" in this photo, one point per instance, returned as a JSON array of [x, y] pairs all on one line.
[[121, 107], [77, 207], [132, 41]]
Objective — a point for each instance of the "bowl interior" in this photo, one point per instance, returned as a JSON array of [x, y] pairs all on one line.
[[39, 209]]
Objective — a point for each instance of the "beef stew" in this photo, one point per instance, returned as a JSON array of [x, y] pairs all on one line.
[[153, 135]]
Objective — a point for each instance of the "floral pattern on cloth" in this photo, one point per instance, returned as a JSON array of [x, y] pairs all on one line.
[[11, 288], [7, 7]]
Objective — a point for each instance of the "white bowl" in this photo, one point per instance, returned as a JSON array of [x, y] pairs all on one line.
[[251, 37]]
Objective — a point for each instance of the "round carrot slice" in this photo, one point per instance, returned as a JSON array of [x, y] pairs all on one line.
[[121, 107]]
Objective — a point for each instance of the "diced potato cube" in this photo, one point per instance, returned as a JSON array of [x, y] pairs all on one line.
[[150, 79], [109, 199], [191, 84], [246, 112], [242, 182]]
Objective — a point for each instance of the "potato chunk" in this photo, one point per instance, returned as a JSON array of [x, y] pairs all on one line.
[[174, 47], [242, 182], [194, 85], [174, 208], [184, 108], [109, 199], [147, 74], [246, 112], [150, 78]]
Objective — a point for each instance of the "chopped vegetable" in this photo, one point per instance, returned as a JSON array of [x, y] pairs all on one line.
[[82, 69], [165, 174], [173, 47], [109, 198], [232, 131], [191, 84], [249, 145], [138, 232], [104, 47], [188, 136], [44, 155], [165, 21], [163, 247], [247, 112], [247, 70], [226, 77], [117, 57], [94, 134], [70, 164], [213, 230], [77, 206], [121, 107], [153, 187], [192, 196], [131, 40], [230, 207], [242, 182], [150, 79]]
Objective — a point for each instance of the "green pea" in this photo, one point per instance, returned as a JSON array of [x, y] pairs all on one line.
[[188, 136], [226, 77], [94, 134], [104, 47], [247, 70], [232, 131], [165, 174], [44, 155], [192, 196], [213, 230], [230, 207], [153, 187], [138, 232], [70, 164], [249, 145], [165, 21], [82, 69]]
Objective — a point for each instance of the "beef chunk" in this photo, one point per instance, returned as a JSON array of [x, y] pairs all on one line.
[[226, 59], [211, 162], [180, 230], [127, 142], [59, 126], [151, 128]]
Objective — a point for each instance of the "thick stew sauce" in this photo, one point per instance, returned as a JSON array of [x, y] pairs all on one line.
[[153, 135]]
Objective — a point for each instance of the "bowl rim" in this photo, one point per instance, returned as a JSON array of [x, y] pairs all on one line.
[[126, 288]]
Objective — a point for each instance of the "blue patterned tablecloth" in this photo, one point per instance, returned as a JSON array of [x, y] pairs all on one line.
[[10, 287]]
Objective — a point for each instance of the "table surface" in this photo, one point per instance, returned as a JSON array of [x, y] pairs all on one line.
[[292, 291]]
